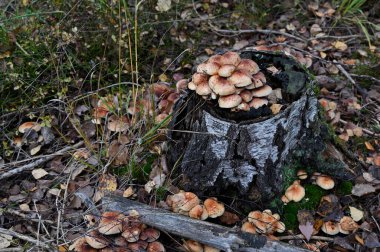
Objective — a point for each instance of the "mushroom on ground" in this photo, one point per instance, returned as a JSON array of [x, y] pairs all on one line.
[[302, 174], [198, 212], [257, 103], [29, 125], [226, 70], [111, 223], [190, 200], [193, 246], [96, 240], [248, 227], [213, 207], [240, 79], [221, 86], [262, 91], [249, 66], [325, 182], [330, 228], [230, 58], [347, 225], [295, 192]]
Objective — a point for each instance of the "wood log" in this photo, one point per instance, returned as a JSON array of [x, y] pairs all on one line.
[[246, 154], [220, 237]]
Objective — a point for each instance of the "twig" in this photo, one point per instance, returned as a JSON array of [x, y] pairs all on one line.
[[266, 31], [12, 250], [335, 37], [361, 90], [301, 236], [24, 237], [367, 131], [38, 162], [363, 76]]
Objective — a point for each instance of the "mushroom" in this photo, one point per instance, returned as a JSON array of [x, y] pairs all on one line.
[[138, 246], [199, 78], [285, 199], [132, 234], [347, 224], [209, 68], [229, 101], [193, 246], [150, 234], [216, 58], [226, 70], [240, 79], [262, 91], [189, 201], [248, 227], [213, 207], [295, 192], [203, 88], [120, 241], [191, 86], [243, 106], [161, 90], [111, 223], [230, 58], [98, 113], [302, 174], [248, 65], [255, 217], [330, 227], [118, 123], [198, 212], [259, 79], [156, 247], [257, 103], [161, 117], [181, 85], [210, 249], [246, 95], [96, 240], [221, 86], [80, 245], [29, 125], [325, 182]]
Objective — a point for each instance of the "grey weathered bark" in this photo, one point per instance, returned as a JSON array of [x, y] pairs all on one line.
[[223, 238], [244, 154]]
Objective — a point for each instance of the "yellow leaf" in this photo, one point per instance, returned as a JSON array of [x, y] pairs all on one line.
[[275, 108], [163, 77], [341, 46], [369, 146], [107, 182]]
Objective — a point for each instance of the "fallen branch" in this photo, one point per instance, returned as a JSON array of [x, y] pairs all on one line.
[[38, 162], [361, 90], [268, 32], [216, 236], [24, 238]]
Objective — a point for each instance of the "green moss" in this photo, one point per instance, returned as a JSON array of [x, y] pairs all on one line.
[[313, 195], [344, 188]]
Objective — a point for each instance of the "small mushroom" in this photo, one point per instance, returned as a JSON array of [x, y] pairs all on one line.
[[259, 79], [213, 207], [96, 240], [181, 85], [138, 246], [229, 101], [156, 247], [256, 218], [262, 91], [325, 182], [230, 58], [191, 86], [330, 227], [210, 249], [150, 234], [199, 78], [226, 70], [295, 192], [221, 86], [111, 223], [243, 106], [203, 88], [246, 95], [198, 212], [248, 65], [248, 227], [302, 174], [209, 68], [193, 246], [161, 90], [257, 103], [29, 125], [216, 58], [118, 123], [347, 224], [240, 79], [132, 234], [190, 200]]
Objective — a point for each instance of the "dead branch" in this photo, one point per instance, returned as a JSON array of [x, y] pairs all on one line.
[[24, 237], [38, 162]]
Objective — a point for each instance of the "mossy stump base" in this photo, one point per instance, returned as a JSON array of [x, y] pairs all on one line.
[[246, 155]]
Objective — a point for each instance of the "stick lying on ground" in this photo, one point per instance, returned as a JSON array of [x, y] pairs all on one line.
[[220, 237]]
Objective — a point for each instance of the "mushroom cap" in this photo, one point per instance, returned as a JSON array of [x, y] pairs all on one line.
[[284, 199], [198, 212], [302, 174], [111, 223], [262, 91], [189, 202], [243, 106], [181, 84], [96, 240], [175, 201], [29, 125], [203, 88], [330, 227], [193, 246], [221, 86], [81, 245], [248, 227], [118, 123], [213, 207], [257, 103], [230, 58], [229, 101], [259, 79], [216, 58], [150, 234], [161, 117], [209, 68], [138, 246], [325, 182], [347, 224], [240, 79], [279, 227], [226, 70], [161, 89], [249, 66], [210, 249], [120, 241], [250, 86], [173, 97], [132, 234], [191, 86], [155, 247], [99, 112], [199, 78], [256, 218], [246, 95], [295, 192]]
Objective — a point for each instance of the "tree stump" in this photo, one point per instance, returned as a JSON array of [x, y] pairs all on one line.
[[249, 154]]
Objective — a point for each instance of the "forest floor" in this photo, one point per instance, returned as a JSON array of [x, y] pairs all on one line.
[[82, 74]]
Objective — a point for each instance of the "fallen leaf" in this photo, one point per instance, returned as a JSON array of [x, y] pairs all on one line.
[[5, 241], [276, 108], [128, 192], [369, 146], [24, 207], [356, 214], [362, 189], [306, 230], [35, 150], [341, 46], [107, 182], [149, 186], [163, 5], [39, 173]]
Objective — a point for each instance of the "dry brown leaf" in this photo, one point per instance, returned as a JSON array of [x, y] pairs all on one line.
[[128, 192], [39, 173], [276, 108], [24, 207], [35, 150], [341, 46], [356, 214], [107, 182], [369, 146]]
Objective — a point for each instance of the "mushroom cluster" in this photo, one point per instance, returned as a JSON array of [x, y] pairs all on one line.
[[34, 136], [264, 222], [346, 225], [237, 83], [187, 203], [117, 232]]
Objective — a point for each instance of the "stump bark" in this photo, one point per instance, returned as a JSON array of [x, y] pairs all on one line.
[[247, 154]]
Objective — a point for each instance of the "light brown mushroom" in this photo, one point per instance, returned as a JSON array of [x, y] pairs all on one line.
[[150, 234], [161, 117], [213, 207], [161, 90], [259, 79], [229, 101], [216, 58], [193, 246], [181, 85], [221, 86], [138, 246], [295, 192], [330, 227], [249, 66], [248, 227], [285, 199], [156, 247], [80, 245], [199, 78], [226, 70], [96, 240], [210, 249], [230, 58], [132, 234], [209, 68], [191, 86], [198, 212], [262, 91], [246, 95], [302, 174], [203, 88], [111, 223], [243, 106], [347, 225], [325, 182], [29, 125], [257, 103], [190, 200], [118, 123], [240, 79], [256, 218]]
